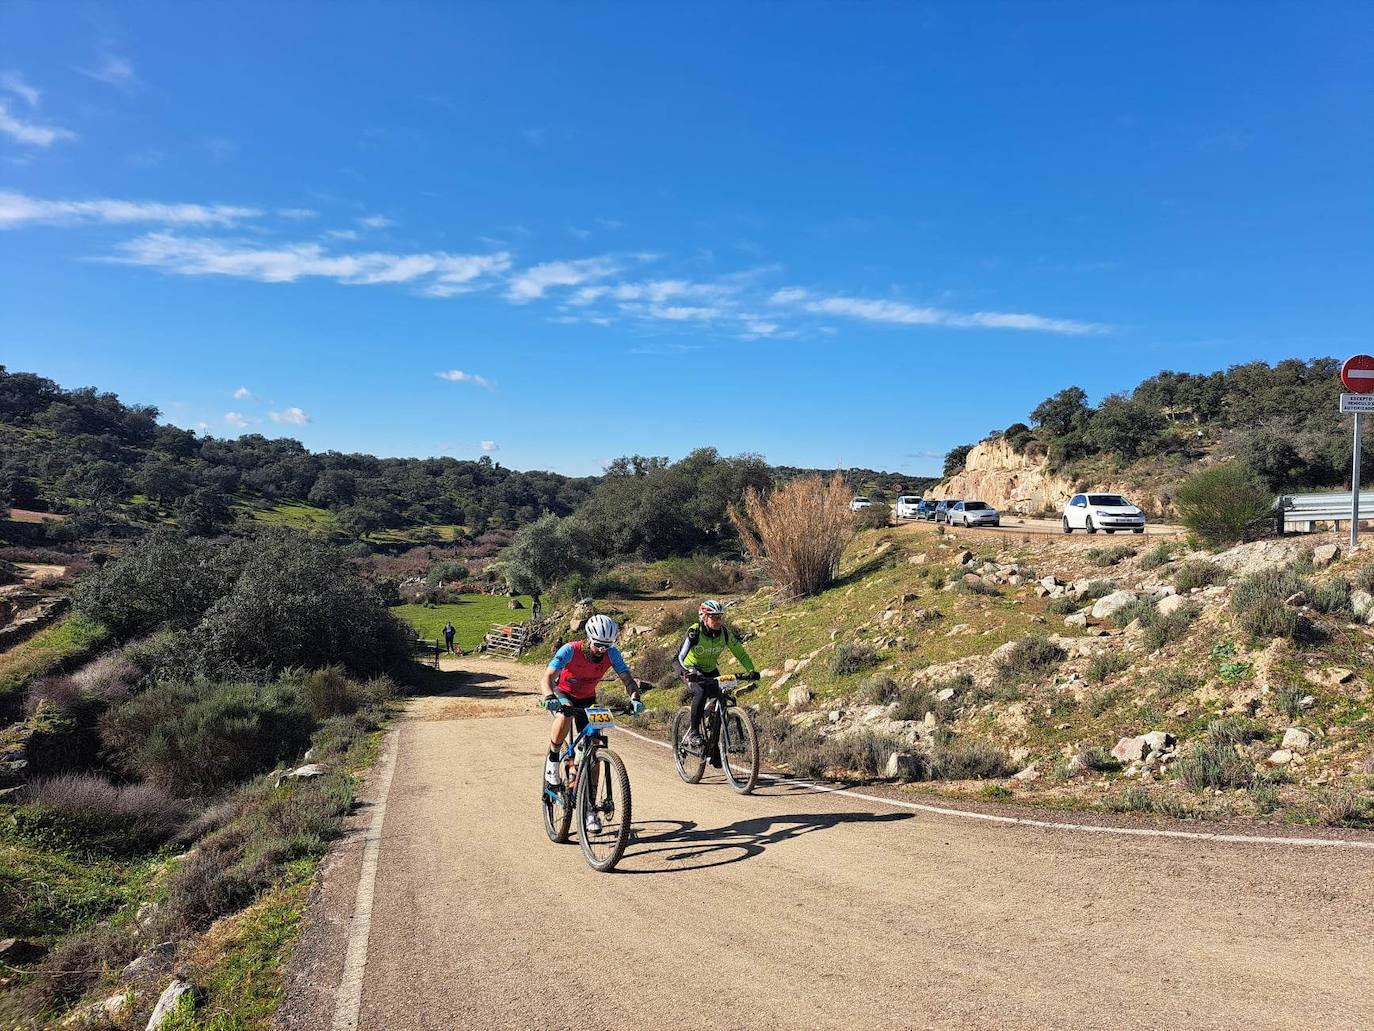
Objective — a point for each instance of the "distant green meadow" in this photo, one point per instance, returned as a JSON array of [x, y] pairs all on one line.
[[472, 616]]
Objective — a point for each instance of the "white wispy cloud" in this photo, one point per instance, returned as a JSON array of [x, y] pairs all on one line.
[[341, 234], [298, 214], [900, 313], [13, 82], [490, 446], [459, 376], [375, 222], [113, 70], [533, 283], [244, 394], [293, 416], [237, 419], [17, 209], [31, 133], [437, 274]]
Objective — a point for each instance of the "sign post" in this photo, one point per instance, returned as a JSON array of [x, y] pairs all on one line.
[[1357, 376]]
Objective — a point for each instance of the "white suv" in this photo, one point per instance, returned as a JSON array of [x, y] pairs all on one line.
[[907, 506], [1109, 512]]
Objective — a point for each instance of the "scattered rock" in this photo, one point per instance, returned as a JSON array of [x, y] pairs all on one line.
[[1306, 702], [1295, 739], [1076, 619], [1159, 741], [945, 694], [150, 960], [515, 603], [1105, 608], [1280, 757], [799, 696], [1028, 774], [1325, 554], [963, 558], [306, 772], [835, 715], [99, 1014], [1332, 676], [1169, 604], [903, 766], [1296, 600], [1362, 603], [1130, 749], [1050, 583], [918, 560], [171, 996]]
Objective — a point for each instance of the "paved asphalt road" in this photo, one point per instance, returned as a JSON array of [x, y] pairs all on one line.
[[797, 908]]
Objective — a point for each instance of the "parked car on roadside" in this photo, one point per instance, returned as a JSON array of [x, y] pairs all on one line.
[[859, 502], [942, 509], [1107, 512], [908, 505], [973, 513], [925, 510]]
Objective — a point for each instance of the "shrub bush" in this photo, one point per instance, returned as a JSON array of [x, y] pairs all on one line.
[[874, 517], [702, 574], [861, 751], [1097, 759], [1259, 601], [676, 619], [202, 737], [1288, 701], [968, 761], [1198, 572], [325, 692], [1224, 504], [1065, 604], [880, 690], [1333, 597], [1029, 656], [1095, 590], [111, 678], [654, 663], [1215, 765], [980, 586], [1110, 556], [797, 533], [1364, 578], [852, 658], [1104, 665], [87, 812], [1161, 554], [1235, 730]]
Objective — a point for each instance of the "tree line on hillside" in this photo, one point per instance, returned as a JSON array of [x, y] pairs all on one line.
[[1279, 420], [90, 453]]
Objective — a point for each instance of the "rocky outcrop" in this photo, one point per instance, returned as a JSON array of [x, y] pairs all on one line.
[[1023, 483]]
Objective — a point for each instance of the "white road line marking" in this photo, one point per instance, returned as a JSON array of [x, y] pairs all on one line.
[[1022, 821], [348, 999]]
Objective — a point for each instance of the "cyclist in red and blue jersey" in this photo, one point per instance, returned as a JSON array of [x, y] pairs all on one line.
[[569, 684]]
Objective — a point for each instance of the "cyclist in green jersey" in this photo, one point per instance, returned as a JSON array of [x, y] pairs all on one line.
[[698, 660]]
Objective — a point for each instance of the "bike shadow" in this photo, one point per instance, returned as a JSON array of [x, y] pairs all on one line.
[[683, 845]]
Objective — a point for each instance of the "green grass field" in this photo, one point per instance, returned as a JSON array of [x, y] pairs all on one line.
[[71, 636], [471, 617]]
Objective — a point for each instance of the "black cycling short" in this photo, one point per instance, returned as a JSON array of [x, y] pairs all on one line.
[[577, 709]]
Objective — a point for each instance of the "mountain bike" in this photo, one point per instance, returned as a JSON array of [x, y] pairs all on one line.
[[595, 789], [730, 738]]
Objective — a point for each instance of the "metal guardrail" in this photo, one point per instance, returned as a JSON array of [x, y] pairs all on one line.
[[1300, 511]]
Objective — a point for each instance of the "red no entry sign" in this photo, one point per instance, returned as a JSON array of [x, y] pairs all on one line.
[[1357, 374]]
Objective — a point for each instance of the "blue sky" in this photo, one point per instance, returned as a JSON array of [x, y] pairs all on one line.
[[830, 233]]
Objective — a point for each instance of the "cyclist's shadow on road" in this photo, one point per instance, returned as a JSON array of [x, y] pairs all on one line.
[[676, 846]]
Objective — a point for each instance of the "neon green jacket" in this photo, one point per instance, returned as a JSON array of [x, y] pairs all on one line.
[[701, 651]]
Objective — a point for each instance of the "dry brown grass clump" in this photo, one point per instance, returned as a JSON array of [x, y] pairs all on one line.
[[798, 532]]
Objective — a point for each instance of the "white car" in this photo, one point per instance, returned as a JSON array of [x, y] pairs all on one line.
[[907, 506], [1109, 512], [859, 502], [973, 513]]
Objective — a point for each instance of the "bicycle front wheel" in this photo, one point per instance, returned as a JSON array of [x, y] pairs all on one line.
[[690, 765], [739, 750], [603, 810]]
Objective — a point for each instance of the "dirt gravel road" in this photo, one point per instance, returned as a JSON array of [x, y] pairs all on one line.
[[795, 907]]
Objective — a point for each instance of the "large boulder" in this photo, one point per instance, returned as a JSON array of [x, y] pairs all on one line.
[[1295, 739], [1170, 603], [168, 1001], [1131, 749], [1105, 608], [799, 696], [1325, 554], [904, 766]]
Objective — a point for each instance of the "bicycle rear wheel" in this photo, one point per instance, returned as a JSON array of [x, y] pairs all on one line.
[[603, 791], [739, 750], [558, 810], [690, 766]]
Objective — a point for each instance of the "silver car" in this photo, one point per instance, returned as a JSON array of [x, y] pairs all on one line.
[[974, 513]]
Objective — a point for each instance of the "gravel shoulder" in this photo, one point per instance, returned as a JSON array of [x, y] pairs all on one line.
[[799, 907]]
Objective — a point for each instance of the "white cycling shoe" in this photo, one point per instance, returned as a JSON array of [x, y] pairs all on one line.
[[593, 824], [551, 773]]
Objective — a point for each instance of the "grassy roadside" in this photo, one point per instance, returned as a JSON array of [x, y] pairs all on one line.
[[68, 639]]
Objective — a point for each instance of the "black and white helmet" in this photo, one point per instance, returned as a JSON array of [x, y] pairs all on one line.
[[602, 630], [711, 608]]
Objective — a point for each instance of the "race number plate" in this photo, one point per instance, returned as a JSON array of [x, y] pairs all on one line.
[[600, 717]]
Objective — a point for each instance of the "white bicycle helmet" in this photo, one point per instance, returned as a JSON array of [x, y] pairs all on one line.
[[602, 630], [711, 608]]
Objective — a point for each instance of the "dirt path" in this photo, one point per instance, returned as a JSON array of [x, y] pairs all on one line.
[[799, 908]]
